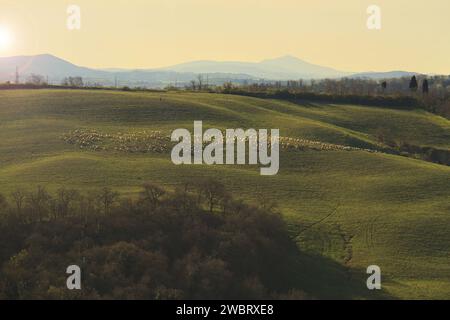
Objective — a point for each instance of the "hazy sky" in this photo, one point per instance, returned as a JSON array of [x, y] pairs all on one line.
[[415, 34]]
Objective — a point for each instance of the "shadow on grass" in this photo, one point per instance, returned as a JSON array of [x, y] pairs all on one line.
[[324, 278]]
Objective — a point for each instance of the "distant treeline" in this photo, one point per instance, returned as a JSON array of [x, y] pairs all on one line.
[[27, 86], [429, 93], [194, 243], [402, 102]]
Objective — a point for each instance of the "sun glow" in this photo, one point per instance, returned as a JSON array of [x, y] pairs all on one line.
[[5, 38]]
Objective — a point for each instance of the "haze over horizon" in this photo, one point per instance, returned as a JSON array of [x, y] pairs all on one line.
[[157, 33], [118, 67]]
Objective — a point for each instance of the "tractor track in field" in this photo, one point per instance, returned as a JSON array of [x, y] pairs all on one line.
[[332, 213], [369, 230]]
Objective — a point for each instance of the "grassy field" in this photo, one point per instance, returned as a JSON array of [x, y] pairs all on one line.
[[380, 209]]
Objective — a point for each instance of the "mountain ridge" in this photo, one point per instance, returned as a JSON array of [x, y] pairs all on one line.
[[282, 68]]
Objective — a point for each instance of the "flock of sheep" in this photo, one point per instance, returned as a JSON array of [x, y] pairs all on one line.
[[157, 142], [134, 142]]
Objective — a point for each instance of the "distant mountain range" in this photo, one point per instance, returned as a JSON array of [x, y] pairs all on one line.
[[283, 68]]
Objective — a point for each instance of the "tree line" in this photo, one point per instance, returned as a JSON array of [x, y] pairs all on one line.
[[429, 93], [196, 242]]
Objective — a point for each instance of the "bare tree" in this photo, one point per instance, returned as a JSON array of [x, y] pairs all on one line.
[[73, 82], [64, 199], [39, 202], [107, 197], [200, 82], [36, 79], [193, 85], [151, 195], [19, 198], [213, 192]]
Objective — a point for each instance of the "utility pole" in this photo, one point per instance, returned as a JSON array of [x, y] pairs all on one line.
[[17, 75]]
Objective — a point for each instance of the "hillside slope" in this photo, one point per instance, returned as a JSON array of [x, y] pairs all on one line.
[[357, 208]]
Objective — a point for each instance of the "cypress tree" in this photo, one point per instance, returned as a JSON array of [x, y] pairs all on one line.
[[413, 84]]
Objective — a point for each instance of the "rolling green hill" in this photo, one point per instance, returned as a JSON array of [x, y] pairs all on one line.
[[356, 207]]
